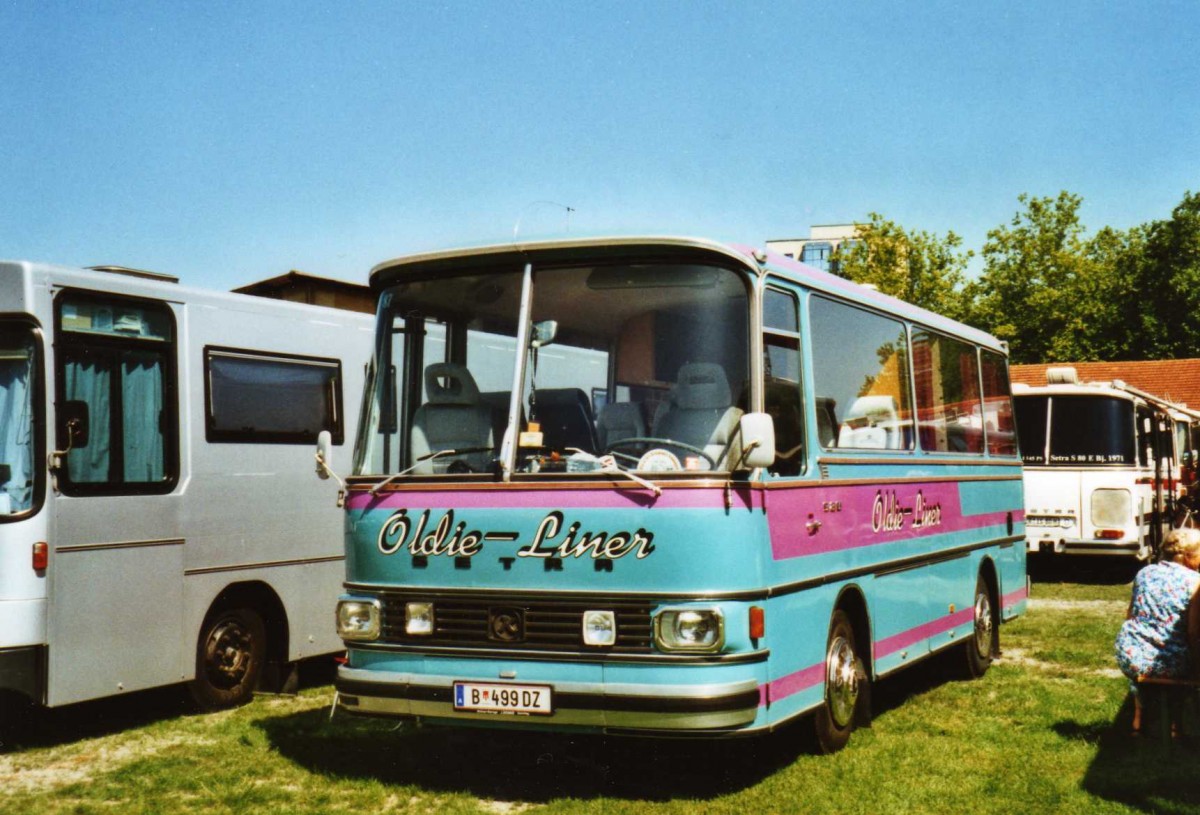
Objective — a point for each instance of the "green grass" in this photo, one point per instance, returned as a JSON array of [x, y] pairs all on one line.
[[1043, 731]]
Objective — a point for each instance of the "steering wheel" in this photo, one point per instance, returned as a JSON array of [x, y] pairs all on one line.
[[612, 446]]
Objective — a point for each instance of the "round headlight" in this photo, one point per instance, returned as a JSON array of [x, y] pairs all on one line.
[[694, 628]]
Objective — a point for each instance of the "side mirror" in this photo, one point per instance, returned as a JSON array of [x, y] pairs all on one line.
[[73, 424], [544, 333], [757, 431], [324, 454]]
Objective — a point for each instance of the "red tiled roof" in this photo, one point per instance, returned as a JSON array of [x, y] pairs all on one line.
[[1176, 380]]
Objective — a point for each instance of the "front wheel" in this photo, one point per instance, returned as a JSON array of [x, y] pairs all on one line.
[[846, 687], [229, 658], [984, 642]]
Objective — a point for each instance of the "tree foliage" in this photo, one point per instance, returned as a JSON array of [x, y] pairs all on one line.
[[918, 267], [1055, 292], [1050, 290], [1163, 269]]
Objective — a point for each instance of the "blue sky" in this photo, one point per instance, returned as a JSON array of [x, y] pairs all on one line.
[[230, 142]]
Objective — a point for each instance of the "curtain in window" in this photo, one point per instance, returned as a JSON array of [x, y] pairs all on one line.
[[16, 431], [89, 380], [142, 396]]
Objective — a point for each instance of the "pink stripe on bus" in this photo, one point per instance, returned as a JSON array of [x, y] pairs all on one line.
[[785, 686], [848, 517], [897, 642], [1015, 596]]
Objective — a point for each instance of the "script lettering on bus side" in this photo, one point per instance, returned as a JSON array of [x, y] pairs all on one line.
[[554, 538], [889, 515]]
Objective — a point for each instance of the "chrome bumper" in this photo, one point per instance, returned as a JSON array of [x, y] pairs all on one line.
[[607, 706]]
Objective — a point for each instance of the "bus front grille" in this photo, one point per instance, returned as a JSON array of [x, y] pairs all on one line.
[[515, 621]]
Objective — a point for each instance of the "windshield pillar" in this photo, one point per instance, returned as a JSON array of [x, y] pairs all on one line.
[[508, 449]]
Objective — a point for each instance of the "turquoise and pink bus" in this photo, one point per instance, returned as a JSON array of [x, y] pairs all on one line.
[[667, 486]]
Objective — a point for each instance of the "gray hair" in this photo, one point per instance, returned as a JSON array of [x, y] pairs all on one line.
[[1180, 543]]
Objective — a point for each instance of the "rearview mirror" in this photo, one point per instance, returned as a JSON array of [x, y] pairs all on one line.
[[544, 333], [757, 432], [324, 454]]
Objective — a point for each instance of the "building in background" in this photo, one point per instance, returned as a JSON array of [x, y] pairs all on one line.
[[818, 248], [298, 287]]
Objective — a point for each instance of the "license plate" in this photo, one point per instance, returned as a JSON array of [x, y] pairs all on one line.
[[494, 697]]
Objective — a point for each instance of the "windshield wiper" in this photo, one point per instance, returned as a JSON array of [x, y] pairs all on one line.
[[458, 451], [608, 464]]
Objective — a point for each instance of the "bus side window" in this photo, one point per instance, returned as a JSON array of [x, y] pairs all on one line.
[[949, 408], [860, 373], [118, 357], [998, 419], [781, 374]]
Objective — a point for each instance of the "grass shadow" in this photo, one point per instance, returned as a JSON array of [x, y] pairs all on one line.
[[1089, 570], [24, 726], [1142, 773], [540, 767], [529, 767]]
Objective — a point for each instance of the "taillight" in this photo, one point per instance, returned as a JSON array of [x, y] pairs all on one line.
[[41, 556]]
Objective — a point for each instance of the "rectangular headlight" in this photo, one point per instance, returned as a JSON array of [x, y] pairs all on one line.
[[358, 620], [599, 628], [418, 619], [690, 629]]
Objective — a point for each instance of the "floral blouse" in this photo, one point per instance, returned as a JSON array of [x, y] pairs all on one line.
[[1153, 641]]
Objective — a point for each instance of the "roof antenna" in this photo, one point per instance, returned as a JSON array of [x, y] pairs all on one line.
[[536, 204]]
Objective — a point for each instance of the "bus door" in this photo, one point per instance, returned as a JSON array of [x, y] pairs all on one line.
[[115, 615]]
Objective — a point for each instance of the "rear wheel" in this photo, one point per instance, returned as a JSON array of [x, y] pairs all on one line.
[[229, 658], [985, 638], [845, 686]]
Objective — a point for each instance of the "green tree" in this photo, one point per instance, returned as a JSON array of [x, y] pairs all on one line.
[[917, 267], [1051, 291], [1162, 265]]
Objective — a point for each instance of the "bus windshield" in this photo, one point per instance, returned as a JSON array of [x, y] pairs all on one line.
[[622, 360], [1084, 430], [17, 376]]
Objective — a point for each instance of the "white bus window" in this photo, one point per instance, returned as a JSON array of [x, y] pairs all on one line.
[[860, 372], [271, 398], [116, 367]]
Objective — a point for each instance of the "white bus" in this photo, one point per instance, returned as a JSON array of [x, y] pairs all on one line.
[[1101, 469], [160, 519]]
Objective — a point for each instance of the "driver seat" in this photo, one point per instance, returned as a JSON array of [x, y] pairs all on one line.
[[699, 410], [454, 417]]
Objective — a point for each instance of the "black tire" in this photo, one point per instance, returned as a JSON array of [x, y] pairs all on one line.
[[229, 658], [846, 687], [984, 643]]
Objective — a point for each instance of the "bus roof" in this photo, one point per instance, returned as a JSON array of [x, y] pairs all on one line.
[[756, 261]]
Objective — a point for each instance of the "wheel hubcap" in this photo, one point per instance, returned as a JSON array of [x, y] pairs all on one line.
[[842, 681], [227, 654], [983, 624]]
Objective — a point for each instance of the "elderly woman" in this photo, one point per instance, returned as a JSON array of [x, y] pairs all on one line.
[[1164, 617]]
